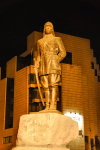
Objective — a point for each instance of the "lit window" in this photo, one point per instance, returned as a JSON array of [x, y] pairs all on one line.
[[7, 140], [32, 79], [10, 139], [80, 132], [4, 140], [34, 94]]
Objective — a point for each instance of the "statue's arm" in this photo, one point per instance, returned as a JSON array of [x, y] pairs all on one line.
[[62, 51]]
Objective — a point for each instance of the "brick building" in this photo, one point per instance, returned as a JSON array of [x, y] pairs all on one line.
[[79, 90]]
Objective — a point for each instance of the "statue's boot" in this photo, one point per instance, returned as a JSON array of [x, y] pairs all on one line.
[[53, 97], [47, 98]]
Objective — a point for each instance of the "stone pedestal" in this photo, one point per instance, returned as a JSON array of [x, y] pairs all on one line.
[[45, 131]]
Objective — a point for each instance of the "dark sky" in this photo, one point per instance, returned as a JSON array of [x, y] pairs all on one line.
[[18, 18]]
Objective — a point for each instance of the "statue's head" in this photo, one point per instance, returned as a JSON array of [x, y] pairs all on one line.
[[48, 29]]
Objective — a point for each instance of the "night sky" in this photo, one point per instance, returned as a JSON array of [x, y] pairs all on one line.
[[18, 18]]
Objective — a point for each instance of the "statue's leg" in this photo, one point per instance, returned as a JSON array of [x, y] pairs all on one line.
[[47, 93], [54, 79], [44, 82], [53, 97]]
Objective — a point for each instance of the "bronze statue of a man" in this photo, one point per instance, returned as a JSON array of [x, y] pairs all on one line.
[[50, 52]]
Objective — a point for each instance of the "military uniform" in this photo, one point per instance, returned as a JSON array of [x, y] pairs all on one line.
[[51, 51]]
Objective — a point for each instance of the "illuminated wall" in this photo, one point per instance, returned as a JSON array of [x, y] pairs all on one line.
[[21, 96], [3, 132], [72, 101], [11, 67], [82, 56]]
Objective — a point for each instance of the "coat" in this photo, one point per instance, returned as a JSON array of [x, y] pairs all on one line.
[[51, 51]]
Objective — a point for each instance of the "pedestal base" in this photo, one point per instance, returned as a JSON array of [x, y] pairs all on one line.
[[45, 131]]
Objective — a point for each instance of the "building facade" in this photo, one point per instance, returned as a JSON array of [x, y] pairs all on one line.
[[78, 95]]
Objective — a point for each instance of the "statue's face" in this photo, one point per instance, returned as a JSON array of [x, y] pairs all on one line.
[[48, 29]]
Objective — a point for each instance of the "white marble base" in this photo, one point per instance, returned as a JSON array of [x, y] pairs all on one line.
[[43, 129]]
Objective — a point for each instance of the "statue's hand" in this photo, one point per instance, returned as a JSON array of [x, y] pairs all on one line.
[[37, 61]]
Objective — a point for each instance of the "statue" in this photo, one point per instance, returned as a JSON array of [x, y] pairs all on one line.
[[51, 52], [39, 131]]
